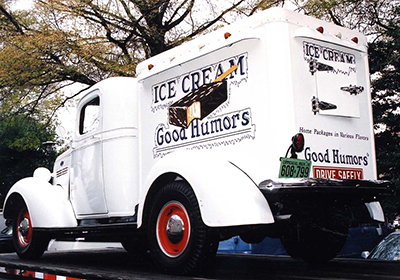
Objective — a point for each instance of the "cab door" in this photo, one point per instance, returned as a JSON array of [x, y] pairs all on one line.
[[87, 192]]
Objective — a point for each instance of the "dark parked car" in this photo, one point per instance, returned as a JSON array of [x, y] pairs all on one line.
[[387, 249], [6, 242]]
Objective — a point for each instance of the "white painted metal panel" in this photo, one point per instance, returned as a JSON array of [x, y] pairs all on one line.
[[87, 183]]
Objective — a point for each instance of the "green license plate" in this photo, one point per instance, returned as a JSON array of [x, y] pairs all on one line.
[[294, 168]]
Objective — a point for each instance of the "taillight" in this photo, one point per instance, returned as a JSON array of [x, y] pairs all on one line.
[[298, 142], [297, 145]]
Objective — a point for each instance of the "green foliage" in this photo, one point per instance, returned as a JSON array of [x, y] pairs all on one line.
[[22, 149]]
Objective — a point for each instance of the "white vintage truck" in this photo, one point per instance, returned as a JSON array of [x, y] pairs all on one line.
[[261, 128]]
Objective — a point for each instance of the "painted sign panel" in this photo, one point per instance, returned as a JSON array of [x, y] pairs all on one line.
[[197, 106], [338, 172]]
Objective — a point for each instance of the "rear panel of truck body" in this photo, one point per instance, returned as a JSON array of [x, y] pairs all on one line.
[[339, 141], [269, 97]]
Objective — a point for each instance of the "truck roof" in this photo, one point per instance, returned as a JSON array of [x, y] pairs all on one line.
[[246, 28]]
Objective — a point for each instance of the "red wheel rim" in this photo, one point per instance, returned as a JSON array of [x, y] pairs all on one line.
[[173, 229], [24, 228]]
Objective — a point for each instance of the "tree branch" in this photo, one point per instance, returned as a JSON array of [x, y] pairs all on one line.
[[207, 25], [334, 18], [12, 19], [170, 24]]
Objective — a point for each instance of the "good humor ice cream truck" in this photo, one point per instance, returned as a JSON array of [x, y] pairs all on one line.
[[261, 128]]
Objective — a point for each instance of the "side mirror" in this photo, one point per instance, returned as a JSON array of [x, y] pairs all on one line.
[[365, 254]]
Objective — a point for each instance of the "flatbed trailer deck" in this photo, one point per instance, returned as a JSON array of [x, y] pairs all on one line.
[[114, 263]]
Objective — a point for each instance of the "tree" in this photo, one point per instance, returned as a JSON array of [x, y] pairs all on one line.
[[385, 61], [380, 21], [23, 149], [61, 42]]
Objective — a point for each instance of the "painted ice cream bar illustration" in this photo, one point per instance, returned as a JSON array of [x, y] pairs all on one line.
[[200, 103]]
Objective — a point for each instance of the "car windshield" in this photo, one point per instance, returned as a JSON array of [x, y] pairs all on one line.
[[388, 249]]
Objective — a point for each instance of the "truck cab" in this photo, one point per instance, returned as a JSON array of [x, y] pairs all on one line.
[[100, 171]]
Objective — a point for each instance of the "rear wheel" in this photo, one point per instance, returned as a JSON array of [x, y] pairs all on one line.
[[179, 241], [314, 240], [28, 244]]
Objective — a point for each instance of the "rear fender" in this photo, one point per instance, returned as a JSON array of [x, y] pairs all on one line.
[[225, 194], [48, 205]]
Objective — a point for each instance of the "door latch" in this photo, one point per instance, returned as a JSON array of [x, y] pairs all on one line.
[[353, 89], [321, 105]]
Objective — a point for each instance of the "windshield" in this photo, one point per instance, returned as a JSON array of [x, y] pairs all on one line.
[[388, 249]]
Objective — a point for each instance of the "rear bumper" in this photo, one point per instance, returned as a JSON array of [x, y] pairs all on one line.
[[287, 196], [363, 188]]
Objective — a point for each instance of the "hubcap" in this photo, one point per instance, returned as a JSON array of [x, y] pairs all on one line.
[[24, 230], [173, 229], [24, 227]]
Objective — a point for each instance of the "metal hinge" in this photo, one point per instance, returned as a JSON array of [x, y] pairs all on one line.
[[321, 105], [353, 89]]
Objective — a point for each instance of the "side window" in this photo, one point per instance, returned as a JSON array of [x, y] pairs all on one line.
[[90, 116]]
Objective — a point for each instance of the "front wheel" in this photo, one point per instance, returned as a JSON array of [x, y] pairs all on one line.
[[27, 243], [179, 241]]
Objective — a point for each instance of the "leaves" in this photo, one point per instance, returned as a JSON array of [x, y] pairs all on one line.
[[22, 149]]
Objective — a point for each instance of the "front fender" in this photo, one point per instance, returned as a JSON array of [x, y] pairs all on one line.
[[48, 205], [226, 195]]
